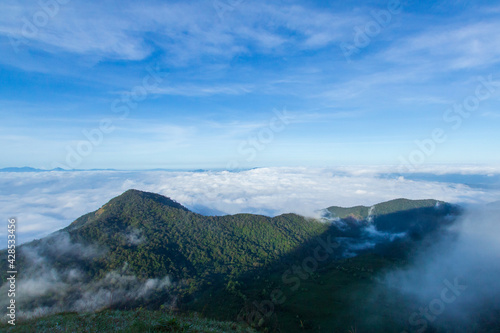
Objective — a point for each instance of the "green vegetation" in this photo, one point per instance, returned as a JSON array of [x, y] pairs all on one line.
[[334, 298], [172, 240], [401, 205], [124, 321], [384, 208], [357, 212], [221, 266]]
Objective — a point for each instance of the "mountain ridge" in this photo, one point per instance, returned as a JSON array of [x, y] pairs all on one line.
[[385, 207], [150, 251]]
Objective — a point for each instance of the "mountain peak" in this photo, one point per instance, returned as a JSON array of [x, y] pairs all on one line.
[[133, 196], [126, 203]]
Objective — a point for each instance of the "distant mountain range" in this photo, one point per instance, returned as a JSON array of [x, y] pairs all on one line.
[[29, 169], [144, 250]]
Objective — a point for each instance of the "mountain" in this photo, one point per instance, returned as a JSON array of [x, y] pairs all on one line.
[[388, 207], [126, 322], [417, 217], [30, 169], [23, 169], [139, 226], [144, 250]]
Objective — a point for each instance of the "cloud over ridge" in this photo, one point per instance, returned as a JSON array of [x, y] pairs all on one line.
[[47, 201]]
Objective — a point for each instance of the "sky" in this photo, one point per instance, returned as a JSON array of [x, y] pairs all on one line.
[[235, 84]]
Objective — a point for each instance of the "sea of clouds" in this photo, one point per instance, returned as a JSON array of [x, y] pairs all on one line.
[[43, 202], [451, 283]]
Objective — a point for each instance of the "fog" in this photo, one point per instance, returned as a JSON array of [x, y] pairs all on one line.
[[54, 279], [452, 283]]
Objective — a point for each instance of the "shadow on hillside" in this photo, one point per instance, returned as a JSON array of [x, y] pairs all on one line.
[[266, 285], [279, 296]]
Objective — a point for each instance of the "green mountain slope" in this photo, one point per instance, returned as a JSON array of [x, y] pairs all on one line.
[[169, 239], [145, 250], [125, 321], [384, 208]]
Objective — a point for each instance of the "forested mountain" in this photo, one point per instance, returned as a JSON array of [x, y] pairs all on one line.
[[157, 236], [145, 250], [384, 208]]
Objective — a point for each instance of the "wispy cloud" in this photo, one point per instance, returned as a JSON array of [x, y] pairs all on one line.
[[183, 30], [234, 70], [207, 90], [77, 29], [451, 47]]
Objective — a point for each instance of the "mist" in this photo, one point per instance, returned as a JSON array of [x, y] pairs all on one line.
[[452, 282], [55, 278]]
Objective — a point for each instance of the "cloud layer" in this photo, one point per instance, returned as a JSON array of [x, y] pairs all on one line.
[[451, 284], [44, 202]]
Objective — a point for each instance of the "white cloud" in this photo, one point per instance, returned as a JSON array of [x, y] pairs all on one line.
[[45, 202], [468, 256], [76, 29], [71, 285], [184, 31], [208, 90], [451, 47]]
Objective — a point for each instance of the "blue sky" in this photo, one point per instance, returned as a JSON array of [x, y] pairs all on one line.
[[239, 84]]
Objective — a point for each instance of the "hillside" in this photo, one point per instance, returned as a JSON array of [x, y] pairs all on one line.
[[144, 228], [125, 321], [384, 208], [146, 250]]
